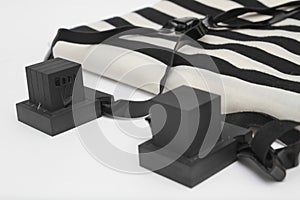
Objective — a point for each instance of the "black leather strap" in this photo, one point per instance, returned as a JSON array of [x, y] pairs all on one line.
[[127, 109], [229, 18], [267, 135], [269, 129], [249, 119], [85, 37], [273, 162], [289, 156]]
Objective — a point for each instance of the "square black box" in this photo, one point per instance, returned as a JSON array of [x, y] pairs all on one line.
[[192, 116], [50, 83]]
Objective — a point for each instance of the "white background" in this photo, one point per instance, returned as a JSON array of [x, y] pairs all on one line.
[[35, 166]]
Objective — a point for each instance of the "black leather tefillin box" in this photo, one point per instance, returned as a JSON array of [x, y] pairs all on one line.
[[193, 142], [56, 91]]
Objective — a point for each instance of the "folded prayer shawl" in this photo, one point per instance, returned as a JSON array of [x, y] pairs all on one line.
[[259, 68]]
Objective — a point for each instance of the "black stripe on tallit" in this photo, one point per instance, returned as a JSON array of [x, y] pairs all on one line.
[[118, 22], [223, 66], [203, 9], [289, 44], [249, 3], [280, 64], [154, 15]]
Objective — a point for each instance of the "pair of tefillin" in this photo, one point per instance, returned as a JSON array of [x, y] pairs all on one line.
[[193, 138]]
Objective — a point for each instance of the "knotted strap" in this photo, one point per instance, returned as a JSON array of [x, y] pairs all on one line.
[[274, 162]]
